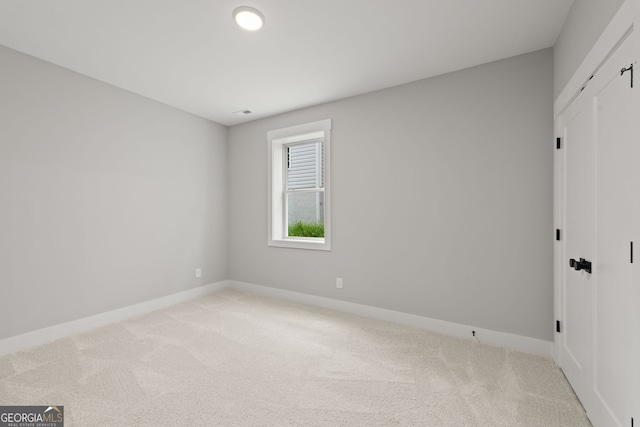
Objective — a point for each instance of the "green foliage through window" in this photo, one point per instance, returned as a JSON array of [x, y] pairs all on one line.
[[306, 229]]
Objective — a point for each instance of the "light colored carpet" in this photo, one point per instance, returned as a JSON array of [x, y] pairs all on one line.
[[237, 359]]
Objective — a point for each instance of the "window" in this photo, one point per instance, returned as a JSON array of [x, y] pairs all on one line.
[[298, 173]]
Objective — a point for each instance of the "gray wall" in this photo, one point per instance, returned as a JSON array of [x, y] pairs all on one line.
[[106, 198], [584, 25], [449, 214]]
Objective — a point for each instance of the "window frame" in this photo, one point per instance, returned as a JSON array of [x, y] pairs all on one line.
[[277, 141]]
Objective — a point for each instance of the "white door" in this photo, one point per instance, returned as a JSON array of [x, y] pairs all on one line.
[[600, 336], [613, 309], [577, 290]]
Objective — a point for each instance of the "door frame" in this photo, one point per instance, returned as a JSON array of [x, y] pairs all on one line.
[[626, 20]]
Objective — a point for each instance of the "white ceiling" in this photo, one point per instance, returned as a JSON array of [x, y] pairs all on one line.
[[190, 54]]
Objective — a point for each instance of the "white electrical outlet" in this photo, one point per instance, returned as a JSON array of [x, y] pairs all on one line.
[[198, 272], [339, 282]]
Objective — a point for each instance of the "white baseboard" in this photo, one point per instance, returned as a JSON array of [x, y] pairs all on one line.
[[42, 336], [487, 336]]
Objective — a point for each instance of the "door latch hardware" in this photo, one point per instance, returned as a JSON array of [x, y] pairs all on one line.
[[624, 70], [582, 264]]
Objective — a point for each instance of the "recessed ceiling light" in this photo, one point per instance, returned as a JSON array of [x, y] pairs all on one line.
[[248, 18]]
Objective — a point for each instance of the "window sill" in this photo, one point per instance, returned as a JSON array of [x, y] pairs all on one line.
[[316, 244]]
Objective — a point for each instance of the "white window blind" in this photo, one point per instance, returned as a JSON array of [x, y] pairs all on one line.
[[304, 166]]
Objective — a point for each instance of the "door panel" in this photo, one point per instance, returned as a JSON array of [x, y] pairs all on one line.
[[576, 343], [613, 308]]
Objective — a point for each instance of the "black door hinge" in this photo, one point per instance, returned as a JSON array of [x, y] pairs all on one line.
[[557, 234], [558, 143], [624, 70], [631, 422], [631, 252], [558, 326]]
